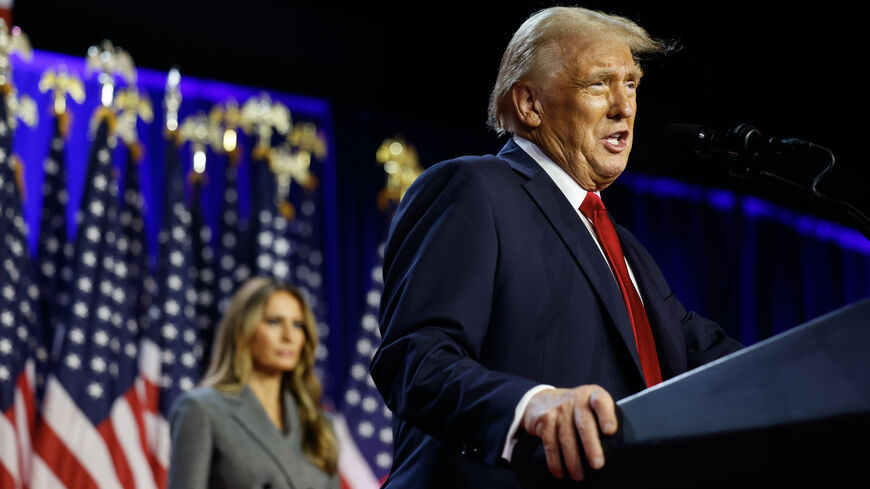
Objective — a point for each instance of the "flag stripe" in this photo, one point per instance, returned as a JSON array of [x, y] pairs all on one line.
[[6, 479], [72, 428], [54, 462], [160, 440], [122, 468], [9, 464], [136, 412], [147, 397], [47, 479], [23, 429], [25, 418], [127, 430], [25, 388], [160, 473], [351, 464]]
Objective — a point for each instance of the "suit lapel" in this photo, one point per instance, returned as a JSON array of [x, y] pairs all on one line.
[[577, 239], [250, 415]]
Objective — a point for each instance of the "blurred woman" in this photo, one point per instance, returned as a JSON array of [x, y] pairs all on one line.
[[256, 421]]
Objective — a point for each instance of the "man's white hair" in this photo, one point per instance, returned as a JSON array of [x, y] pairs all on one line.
[[528, 57]]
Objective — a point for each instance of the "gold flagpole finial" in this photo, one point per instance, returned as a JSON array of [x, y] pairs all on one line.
[[200, 130], [11, 41], [14, 41], [306, 137], [61, 83], [23, 107], [107, 60], [227, 119], [20, 107], [289, 166], [402, 166], [291, 162], [262, 117], [131, 106]]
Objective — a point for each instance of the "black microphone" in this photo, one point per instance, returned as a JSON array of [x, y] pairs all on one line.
[[743, 141], [746, 144]]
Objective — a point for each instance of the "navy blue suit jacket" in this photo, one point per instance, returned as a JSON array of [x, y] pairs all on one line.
[[492, 285]]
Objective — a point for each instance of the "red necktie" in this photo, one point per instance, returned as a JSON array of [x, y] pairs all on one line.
[[593, 208]]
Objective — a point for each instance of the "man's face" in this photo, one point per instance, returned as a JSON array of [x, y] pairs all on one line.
[[587, 110]]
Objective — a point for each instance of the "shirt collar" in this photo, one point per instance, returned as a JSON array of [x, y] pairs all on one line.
[[569, 187]]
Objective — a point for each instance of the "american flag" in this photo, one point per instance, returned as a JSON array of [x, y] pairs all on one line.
[[204, 264], [134, 253], [54, 251], [306, 261], [17, 326], [172, 350], [141, 296], [92, 432], [365, 431], [233, 263], [273, 245]]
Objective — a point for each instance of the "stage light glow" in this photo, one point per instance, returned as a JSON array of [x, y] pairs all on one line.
[[230, 138], [199, 161]]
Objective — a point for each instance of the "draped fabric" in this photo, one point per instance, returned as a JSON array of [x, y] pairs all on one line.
[[753, 266]]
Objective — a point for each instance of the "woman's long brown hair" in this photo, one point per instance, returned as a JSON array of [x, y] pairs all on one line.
[[231, 364]]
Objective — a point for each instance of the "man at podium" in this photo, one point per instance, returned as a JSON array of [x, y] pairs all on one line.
[[513, 305]]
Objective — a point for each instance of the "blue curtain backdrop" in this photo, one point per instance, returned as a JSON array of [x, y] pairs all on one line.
[[753, 266]]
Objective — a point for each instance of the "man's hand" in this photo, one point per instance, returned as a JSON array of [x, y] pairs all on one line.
[[559, 416]]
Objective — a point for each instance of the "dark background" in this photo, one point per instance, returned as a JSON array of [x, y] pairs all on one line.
[[425, 70]]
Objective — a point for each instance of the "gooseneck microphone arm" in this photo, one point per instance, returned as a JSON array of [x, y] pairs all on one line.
[[745, 144]]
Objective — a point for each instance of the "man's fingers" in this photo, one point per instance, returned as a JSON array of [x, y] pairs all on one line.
[[605, 410], [587, 428], [559, 416], [569, 447], [546, 431]]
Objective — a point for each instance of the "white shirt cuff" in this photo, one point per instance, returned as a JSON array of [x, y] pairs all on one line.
[[511, 439]]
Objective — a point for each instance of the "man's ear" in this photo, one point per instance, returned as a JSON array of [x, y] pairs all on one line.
[[527, 108]]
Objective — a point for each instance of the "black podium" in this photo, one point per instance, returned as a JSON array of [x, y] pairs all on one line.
[[791, 410]]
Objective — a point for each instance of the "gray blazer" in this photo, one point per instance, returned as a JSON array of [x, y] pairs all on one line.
[[222, 440]]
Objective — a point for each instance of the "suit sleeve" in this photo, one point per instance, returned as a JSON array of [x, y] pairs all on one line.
[[705, 340], [439, 273], [190, 456]]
